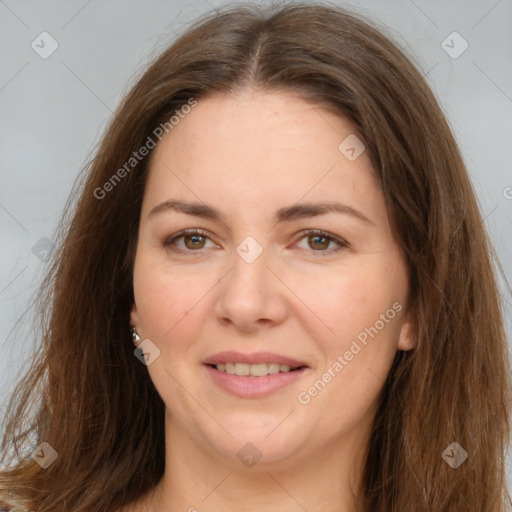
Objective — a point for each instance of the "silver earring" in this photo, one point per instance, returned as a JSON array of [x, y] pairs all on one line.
[[135, 335]]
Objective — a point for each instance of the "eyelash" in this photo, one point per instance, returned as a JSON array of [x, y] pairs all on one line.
[[315, 232]]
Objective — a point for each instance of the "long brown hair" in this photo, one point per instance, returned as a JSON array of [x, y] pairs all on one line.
[[94, 403]]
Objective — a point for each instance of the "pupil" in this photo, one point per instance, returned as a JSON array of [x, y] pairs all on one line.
[[195, 239], [316, 238]]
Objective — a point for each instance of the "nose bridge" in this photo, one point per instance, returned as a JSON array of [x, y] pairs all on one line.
[[250, 272], [250, 250], [249, 291]]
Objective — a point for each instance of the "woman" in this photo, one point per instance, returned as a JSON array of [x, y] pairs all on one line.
[[275, 292]]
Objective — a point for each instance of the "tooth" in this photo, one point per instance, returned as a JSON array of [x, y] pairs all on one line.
[[241, 368], [256, 370], [259, 370], [273, 368]]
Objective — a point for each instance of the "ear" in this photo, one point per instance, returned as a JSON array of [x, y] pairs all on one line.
[[408, 333]]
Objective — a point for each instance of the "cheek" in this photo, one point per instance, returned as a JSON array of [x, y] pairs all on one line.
[[164, 297], [168, 303], [354, 298], [357, 358], [362, 305]]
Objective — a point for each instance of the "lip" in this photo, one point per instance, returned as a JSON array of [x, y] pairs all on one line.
[[254, 358], [253, 387]]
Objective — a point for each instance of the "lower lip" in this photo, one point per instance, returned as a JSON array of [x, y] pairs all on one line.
[[253, 387]]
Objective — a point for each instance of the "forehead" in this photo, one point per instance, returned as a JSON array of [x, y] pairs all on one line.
[[256, 150]]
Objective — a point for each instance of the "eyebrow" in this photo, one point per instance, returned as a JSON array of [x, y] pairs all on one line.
[[288, 213]]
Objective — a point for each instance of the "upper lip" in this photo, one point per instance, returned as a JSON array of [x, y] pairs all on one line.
[[254, 358]]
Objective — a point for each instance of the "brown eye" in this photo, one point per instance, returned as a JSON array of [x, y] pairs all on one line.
[[193, 241], [319, 241]]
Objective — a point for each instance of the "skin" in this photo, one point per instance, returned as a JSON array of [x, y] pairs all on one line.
[[249, 155]]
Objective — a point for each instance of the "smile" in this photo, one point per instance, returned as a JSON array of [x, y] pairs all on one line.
[[254, 370], [252, 386]]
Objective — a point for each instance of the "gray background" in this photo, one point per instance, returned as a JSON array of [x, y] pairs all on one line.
[[54, 110]]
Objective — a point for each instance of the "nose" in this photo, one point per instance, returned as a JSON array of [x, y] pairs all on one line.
[[252, 295]]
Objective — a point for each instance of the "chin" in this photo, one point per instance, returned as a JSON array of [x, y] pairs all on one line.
[[259, 446]]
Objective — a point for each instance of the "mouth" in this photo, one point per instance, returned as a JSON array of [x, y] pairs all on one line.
[[253, 375], [255, 370]]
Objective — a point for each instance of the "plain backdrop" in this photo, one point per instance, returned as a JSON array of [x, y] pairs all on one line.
[[54, 110]]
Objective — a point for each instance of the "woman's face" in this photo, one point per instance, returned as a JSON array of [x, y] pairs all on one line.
[[261, 289]]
